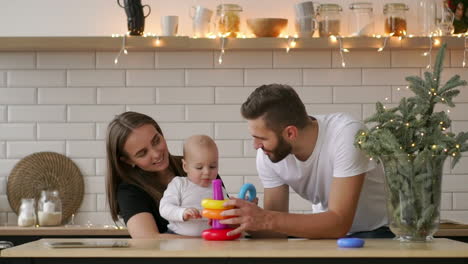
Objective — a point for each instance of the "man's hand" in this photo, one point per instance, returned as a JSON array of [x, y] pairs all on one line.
[[191, 213], [249, 216]]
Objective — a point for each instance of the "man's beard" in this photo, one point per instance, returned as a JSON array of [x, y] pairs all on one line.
[[281, 151]]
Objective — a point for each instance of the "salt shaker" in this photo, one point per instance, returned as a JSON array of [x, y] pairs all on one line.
[[27, 212], [49, 209]]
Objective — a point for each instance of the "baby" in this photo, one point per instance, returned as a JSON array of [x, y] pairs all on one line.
[[180, 204]]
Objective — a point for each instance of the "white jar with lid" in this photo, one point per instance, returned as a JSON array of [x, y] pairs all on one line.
[[27, 212], [395, 19], [361, 22], [228, 17], [329, 19], [49, 211]]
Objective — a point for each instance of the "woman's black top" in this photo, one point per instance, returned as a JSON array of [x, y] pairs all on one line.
[[134, 200]]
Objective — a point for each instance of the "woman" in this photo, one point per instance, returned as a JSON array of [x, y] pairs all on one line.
[[139, 168]]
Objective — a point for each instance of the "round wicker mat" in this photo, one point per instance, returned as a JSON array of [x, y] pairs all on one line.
[[46, 171]]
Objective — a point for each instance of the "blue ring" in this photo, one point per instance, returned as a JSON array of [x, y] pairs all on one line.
[[352, 242], [250, 188]]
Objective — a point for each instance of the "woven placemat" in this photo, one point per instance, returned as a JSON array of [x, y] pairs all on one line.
[[46, 171]]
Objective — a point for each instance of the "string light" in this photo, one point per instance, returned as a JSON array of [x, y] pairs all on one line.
[[291, 43], [221, 54], [123, 49], [429, 52], [157, 42], [465, 51], [384, 42], [340, 40]]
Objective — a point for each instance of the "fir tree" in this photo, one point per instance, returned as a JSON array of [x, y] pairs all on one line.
[[413, 140]]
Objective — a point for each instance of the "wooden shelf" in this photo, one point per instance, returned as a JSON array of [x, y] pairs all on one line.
[[63, 231], [188, 44]]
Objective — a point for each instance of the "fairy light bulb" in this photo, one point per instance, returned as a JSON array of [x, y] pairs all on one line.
[[380, 49], [436, 42], [332, 38], [125, 51], [292, 44]]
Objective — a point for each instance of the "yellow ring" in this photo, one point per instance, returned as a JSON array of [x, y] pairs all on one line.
[[214, 204]]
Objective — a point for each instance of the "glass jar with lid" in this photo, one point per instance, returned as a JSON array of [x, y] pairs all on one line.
[[228, 20], [27, 212], [361, 21], [395, 19], [49, 208], [329, 19]]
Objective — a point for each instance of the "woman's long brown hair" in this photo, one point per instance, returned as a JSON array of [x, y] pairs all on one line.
[[118, 171]]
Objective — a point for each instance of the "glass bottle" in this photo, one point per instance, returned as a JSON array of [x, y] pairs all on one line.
[[445, 19], [228, 20], [27, 212], [395, 19], [49, 209], [361, 20], [329, 18], [426, 17]]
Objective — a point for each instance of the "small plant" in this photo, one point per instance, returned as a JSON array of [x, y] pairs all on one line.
[[413, 141]]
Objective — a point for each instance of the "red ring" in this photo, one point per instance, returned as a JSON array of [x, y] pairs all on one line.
[[219, 234]]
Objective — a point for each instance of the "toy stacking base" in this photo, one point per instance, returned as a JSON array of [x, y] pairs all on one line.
[[219, 234]]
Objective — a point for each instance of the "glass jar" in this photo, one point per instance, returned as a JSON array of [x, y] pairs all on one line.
[[361, 21], [395, 19], [27, 212], [329, 18], [49, 209], [228, 20]]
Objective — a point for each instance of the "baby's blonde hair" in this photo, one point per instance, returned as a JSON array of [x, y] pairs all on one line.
[[199, 141]]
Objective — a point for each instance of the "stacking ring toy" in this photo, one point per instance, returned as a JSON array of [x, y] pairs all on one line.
[[215, 204], [219, 234], [250, 188], [215, 214], [350, 242]]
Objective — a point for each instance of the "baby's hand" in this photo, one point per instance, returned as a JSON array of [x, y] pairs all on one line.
[[191, 213]]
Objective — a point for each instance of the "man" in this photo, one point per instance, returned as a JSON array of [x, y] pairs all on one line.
[[316, 157]]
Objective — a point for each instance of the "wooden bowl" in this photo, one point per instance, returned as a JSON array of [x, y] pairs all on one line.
[[267, 27]]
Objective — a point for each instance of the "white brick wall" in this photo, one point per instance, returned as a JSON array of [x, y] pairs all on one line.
[[63, 101]]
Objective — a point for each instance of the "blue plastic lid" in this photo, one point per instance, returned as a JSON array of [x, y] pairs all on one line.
[[350, 242]]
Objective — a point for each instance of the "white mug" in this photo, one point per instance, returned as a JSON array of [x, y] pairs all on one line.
[[169, 25], [304, 9], [201, 18], [306, 26]]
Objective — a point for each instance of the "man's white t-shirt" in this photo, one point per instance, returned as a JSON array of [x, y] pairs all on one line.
[[180, 194], [334, 155]]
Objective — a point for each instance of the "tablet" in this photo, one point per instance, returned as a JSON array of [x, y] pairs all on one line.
[[87, 244]]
